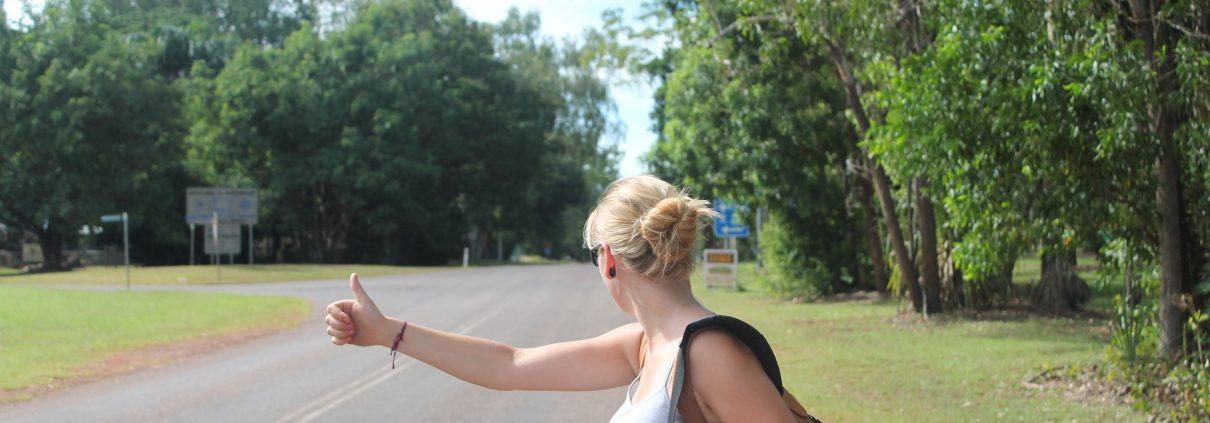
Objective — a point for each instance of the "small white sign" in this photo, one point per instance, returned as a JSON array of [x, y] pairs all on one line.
[[234, 205], [31, 253], [721, 268], [228, 240]]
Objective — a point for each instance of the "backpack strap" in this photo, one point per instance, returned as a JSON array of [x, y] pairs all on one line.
[[684, 400], [745, 333]]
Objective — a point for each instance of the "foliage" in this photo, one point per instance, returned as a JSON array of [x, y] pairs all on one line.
[[395, 131], [984, 114], [1133, 337], [790, 271], [105, 125], [737, 125], [577, 161]]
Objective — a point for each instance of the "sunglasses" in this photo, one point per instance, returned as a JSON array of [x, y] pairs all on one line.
[[594, 253]]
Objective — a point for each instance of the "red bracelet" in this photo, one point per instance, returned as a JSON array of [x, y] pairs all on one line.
[[395, 345]]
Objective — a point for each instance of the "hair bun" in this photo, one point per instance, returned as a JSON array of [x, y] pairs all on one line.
[[670, 228]]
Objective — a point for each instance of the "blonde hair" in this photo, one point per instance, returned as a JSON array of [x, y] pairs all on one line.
[[649, 225]]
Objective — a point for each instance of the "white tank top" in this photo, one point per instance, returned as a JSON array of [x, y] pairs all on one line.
[[653, 409]]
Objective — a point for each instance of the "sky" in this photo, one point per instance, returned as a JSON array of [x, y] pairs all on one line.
[[559, 18]]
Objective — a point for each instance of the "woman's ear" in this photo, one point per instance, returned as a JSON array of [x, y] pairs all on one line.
[[609, 262]]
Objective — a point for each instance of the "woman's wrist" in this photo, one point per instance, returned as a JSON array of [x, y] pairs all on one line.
[[388, 331]]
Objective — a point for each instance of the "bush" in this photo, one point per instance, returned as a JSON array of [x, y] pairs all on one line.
[[791, 273]]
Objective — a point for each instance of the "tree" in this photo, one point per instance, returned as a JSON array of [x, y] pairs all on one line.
[[407, 102], [738, 125], [90, 126], [577, 115], [1053, 124]]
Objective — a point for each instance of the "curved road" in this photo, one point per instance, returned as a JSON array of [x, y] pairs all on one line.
[[299, 376]]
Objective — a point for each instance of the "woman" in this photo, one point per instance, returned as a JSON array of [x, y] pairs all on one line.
[[640, 236]]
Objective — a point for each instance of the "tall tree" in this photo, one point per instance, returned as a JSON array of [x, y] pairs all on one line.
[[572, 104], [90, 128], [1160, 27], [407, 102], [738, 125]]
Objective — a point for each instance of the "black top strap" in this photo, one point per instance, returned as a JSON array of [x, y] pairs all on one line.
[[745, 333]]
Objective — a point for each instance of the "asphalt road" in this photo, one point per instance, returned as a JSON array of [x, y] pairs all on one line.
[[299, 376]]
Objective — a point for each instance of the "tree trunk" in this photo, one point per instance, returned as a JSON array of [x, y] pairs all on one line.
[[882, 183], [276, 245], [52, 246], [877, 259], [1060, 290], [907, 270], [928, 248], [952, 295], [1173, 286]]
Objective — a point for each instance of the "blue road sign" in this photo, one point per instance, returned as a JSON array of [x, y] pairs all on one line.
[[727, 224]]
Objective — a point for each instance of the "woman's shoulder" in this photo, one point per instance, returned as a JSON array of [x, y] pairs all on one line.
[[723, 369], [717, 357], [626, 339]]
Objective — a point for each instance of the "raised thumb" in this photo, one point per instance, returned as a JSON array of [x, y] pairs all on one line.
[[359, 292]]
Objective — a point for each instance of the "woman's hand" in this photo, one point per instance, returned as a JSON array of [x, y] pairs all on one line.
[[357, 321]]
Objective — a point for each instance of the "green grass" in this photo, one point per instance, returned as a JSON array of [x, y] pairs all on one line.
[[47, 335], [864, 362], [208, 274]]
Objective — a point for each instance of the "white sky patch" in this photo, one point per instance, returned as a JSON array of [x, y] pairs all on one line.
[[14, 10], [559, 19]]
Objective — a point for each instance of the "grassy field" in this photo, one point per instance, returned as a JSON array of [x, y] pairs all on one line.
[[206, 275], [865, 362], [49, 335]]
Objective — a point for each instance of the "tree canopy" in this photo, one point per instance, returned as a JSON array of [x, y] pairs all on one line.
[[398, 134]]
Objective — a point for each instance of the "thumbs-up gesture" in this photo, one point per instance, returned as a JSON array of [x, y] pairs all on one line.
[[356, 321]]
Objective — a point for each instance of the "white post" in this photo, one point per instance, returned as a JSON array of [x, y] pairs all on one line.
[[760, 254], [126, 246], [191, 242], [218, 256], [466, 257]]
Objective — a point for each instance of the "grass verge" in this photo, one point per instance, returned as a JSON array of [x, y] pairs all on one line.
[[866, 362], [49, 337], [209, 275]]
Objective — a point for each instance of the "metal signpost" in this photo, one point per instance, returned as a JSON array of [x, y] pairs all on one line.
[[720, 267], [125, 219]]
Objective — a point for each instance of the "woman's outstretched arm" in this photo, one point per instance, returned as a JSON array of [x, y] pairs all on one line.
[[606, 361]]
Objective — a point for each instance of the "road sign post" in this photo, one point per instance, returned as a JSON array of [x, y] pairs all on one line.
[[721, 266], [125, 219]]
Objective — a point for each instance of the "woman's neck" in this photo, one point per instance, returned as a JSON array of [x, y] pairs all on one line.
[[664, 308]]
